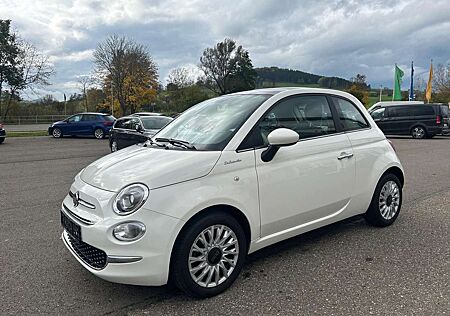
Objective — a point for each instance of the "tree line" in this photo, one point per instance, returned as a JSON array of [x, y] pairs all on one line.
[[124, 79]]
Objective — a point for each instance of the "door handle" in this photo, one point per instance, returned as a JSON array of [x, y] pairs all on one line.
[[344, 155]]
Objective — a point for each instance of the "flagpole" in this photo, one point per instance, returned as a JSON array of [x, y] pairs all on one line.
[[393, 87], [381, 87], [411, 88]]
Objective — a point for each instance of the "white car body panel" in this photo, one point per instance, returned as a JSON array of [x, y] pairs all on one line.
[[304, 187], [151, 166]]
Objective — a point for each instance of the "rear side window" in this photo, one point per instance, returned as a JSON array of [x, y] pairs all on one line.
[[89, 117], [420, 110], [349, 115], [155, 122]]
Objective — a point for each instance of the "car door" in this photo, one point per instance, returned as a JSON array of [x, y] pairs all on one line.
[[121, 132], [87, 124], [136, 133], [73, 125], [310, 181], [399, 120]]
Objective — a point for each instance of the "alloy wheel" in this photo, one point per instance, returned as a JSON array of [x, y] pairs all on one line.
[[213, 256], [56, 133], [98, 133], [389, 200], [418, 132]]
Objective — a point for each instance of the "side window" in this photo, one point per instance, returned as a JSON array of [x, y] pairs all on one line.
[[89, 117], [400, 111], [74, 119], [125, 123], [309, 116], [420, 110], [349, 115], [134, 122], [378, 113], [119, 124]]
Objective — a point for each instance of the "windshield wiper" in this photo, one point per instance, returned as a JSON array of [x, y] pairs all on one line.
[[176, 142], [152, 143]]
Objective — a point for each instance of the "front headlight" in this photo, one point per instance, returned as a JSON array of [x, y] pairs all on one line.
[[130, 199]]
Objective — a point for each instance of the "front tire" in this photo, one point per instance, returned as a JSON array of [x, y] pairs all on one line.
[[114, 147], [2, 139], [99, 133], [208, 255], [57, 133], [418, 132], [386, 202]]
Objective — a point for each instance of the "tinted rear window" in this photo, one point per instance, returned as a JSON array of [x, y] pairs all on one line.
[[411, 110], [109, 118], [90, 117], [423, 110]]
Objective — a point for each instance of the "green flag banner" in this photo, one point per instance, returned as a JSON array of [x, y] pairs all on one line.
[[397, 95]]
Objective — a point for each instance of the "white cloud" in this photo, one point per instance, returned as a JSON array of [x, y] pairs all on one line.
[[341, 37]]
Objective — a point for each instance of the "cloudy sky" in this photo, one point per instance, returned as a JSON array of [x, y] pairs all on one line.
[[334, 38]]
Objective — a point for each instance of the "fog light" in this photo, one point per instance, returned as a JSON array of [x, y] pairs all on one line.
[[129, 231]]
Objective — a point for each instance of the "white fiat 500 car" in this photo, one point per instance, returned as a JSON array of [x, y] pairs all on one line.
[[229, 176]]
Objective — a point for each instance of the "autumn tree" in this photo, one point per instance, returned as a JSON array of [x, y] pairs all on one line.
[[359, 89], [441, 83], [22, 66], [129, 70], [227, 68], [10, 72]]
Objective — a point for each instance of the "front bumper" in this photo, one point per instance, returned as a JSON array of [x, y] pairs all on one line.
[[142, 262]]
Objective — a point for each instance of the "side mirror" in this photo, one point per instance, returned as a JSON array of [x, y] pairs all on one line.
[[281, 137], [138, 128]]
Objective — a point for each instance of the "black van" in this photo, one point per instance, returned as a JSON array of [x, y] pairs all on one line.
[[417, 120]]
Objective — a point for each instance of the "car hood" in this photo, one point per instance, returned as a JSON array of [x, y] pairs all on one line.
[[57, 123], [152, 166]]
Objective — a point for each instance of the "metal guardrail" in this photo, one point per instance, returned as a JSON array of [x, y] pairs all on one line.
[[33, 119]]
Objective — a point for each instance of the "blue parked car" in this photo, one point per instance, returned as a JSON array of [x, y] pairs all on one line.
[[96, 124]]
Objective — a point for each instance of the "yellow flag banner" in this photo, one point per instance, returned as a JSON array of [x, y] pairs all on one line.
[[429, 84]]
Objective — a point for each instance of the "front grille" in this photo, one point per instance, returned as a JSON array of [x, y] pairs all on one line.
[[92, 256]]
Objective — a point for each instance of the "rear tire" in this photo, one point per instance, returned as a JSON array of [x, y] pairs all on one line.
[[204, 269], [418, 132], [57, 133], [2, 139], [99, 133], [386, 202]]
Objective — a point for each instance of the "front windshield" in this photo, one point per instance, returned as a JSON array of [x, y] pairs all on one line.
[[155, 122], [211, 124]]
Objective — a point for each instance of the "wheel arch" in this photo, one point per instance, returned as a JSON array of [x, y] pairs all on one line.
[[232, 210], [395, 171]]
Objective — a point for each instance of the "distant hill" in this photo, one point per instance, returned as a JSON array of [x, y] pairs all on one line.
[[279, 77]]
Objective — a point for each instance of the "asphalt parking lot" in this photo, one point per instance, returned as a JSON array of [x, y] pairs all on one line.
[[346, 268]]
